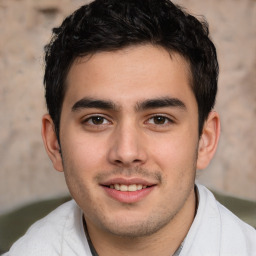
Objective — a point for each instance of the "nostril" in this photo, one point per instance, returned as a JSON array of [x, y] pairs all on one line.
[[135, 161]]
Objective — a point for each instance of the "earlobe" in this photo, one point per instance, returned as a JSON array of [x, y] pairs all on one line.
[[209, 140], [51, 142]]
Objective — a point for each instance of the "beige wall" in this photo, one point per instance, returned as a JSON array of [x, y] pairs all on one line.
[[26, 173]]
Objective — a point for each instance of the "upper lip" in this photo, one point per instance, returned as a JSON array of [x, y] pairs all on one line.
[[127, 181]]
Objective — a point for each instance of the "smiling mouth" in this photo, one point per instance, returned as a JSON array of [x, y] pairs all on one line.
[[128, 191], [128, 188]]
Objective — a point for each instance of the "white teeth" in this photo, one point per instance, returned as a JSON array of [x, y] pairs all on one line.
[[124, 188], [132, 187], [117, 186], [139, 187]]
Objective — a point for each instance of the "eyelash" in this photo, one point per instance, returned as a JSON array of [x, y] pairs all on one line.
[[89, 120], [167, 120]]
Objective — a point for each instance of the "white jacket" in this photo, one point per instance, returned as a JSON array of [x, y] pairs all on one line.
[[214, 232]]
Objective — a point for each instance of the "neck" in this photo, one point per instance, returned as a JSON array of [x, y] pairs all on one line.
[[164, 242]]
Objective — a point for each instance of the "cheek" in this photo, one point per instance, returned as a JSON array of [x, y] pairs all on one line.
[[82, 159], [175, 151], [84, 152]]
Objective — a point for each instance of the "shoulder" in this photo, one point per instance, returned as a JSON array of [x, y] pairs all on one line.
[[235, 235], [46, 235], [235, 232]]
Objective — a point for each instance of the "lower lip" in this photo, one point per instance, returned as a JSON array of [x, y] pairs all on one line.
[[128, 196]]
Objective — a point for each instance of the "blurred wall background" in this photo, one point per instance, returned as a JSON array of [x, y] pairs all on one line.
[[26, 173]]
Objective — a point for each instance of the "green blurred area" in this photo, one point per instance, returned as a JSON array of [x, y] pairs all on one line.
[[244, 209], [13, 225]]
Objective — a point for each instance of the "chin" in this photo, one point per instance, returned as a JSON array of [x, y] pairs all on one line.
[[136, 228]]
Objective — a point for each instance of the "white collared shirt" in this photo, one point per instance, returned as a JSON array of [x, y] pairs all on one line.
[[215, 231]]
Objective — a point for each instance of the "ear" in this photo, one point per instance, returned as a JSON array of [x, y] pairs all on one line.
[[51, 143], [209, 140]]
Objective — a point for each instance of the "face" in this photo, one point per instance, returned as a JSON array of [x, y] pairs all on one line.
[[129, 139]]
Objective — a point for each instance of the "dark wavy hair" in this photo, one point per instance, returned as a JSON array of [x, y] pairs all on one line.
[[109, 25]]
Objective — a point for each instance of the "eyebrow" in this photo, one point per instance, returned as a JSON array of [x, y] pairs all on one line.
[[140, 106], [160, 103], [94, 103]]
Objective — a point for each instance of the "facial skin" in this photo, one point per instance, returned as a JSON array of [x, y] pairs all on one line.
[[130, 117]]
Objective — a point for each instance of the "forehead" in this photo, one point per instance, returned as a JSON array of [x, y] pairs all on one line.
[[128, 75]]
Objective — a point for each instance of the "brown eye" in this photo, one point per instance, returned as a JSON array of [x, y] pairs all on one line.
[[97, 120], [159, 120]]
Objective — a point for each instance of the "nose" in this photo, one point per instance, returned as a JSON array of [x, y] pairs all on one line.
[[127, 148]]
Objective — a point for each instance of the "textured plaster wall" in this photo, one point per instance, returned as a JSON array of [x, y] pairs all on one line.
[[26, 173]]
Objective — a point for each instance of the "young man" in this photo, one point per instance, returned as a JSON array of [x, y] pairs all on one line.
[[130, 89]]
